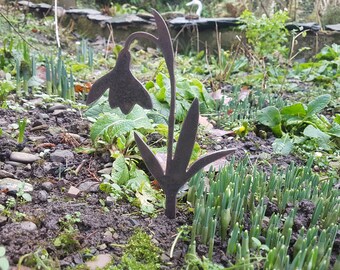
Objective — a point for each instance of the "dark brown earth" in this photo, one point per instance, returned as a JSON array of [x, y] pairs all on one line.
[[122, 218]]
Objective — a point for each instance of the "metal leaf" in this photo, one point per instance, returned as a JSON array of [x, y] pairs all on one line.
[[205, 160], [186, 140], [149, 158]]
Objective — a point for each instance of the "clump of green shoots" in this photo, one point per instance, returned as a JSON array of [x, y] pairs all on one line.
[[85, 53], [237, 190], [58, 81]]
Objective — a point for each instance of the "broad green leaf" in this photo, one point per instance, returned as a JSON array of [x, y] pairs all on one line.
[[138, 179], [4, 264], [120, 171], [313, 132], [111, 126], [2, 251], [146, 197], [283, 146], [297, 109], [335, 130], [337, 119], [27, 197], [316, 105], [271, 117]]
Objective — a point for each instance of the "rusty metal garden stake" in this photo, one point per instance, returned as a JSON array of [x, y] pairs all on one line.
[[125, 91]]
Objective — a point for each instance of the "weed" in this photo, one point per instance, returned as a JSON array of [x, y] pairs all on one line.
[[67, 240], [140, 253]]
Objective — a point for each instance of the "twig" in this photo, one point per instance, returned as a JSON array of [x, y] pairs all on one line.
[[16, 31]]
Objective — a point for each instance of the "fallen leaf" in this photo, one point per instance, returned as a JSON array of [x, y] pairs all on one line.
[[202, 120], [244, 93]]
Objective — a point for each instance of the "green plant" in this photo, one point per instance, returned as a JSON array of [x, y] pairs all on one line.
[[241, 105], [22, 126], [67, 240], [115, 130], [140, 253], [39, 259], [4, 264], [266, 35], [186, 91], [323, 70], [237, 190], [299, 119], [129, 182], [6, 86]]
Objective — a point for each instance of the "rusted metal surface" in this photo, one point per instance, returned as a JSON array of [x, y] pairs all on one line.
[[126, 91]]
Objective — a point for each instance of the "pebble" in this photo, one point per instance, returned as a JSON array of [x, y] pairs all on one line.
[[3, 220], [57, 106], [58, 112], [109, 201], [13, 185], [5, 174], [48, 186], [14, 163], [37, 123], [73, 192], [42, 195], [23, 157], [217, 147], [36, 138], [105, 171], [28, 226], [43, 116], [99, 262], [61, 156], [74, 136], [89, 186], [40, 127]]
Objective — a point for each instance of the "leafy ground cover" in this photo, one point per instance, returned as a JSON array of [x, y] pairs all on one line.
[[75, 194]]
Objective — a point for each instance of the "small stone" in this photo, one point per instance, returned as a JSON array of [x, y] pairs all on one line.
[[73, 192], [57, 106], [89, 186], [40, 127], [61, 156], [14, 185], [36, 138], [108, 165], [14, 163], [5, 174], [109, 201], [165, 257], [105, 171], [102, 247], [3, 220], [42, 195], [43, 116], [99, 262], [48, 186], [23, 157], [217, 147], [28, 226], [37, 123], [58, 112], [74, 136], [134, 222]]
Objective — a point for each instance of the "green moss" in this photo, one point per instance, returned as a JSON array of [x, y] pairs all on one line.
[[140, 253]]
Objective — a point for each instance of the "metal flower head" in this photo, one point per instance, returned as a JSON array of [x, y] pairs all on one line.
[[125, 90]]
